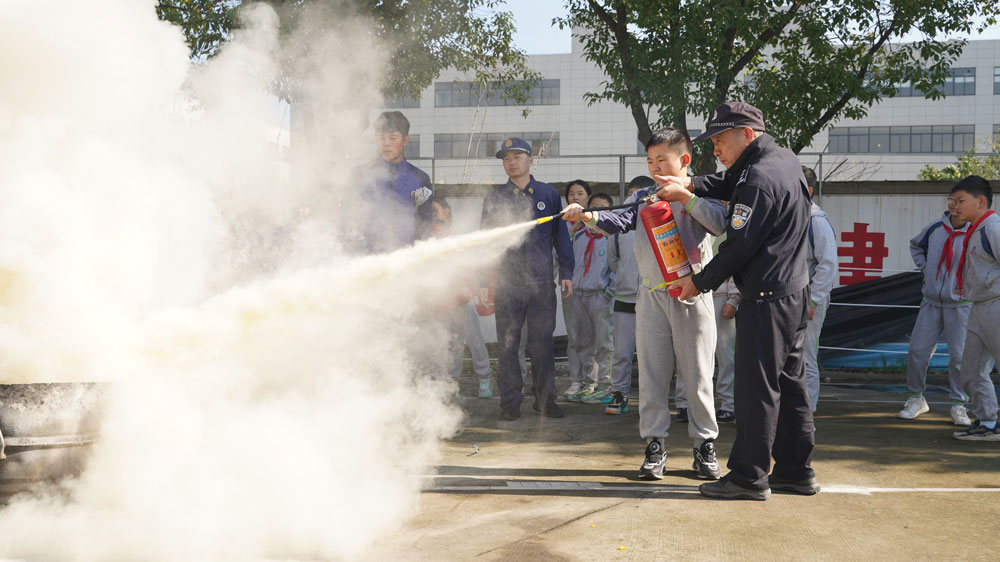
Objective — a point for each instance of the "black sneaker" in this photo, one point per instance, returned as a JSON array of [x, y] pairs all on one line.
[[618, 405], [656, 459], [807, 487], [549, 410], [725, 416], [725, 490], [705, 464], [682, 415], [509, 413]]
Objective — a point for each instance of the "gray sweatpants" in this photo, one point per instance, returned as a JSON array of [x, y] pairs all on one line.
[[465, 329], [725, 348], [675, 335], [982, 345], [811, 352], [932, 320], [571, 358], [591, 319], [621, 365]]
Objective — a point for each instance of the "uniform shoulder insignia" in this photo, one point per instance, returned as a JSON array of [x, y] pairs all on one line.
[[743, 176], [741, 216]]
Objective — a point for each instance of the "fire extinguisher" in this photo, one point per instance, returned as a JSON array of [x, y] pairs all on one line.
[[488, 307], [661, 228]]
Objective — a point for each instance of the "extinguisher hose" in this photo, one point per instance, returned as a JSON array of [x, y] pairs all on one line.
[[647, 199]]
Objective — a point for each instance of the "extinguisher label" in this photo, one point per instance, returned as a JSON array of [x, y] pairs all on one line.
[[668, 243]]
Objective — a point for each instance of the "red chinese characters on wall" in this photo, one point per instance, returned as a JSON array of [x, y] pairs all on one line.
[[866, 252]]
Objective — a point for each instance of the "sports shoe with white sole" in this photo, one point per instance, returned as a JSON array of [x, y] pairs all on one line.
[[485, 389], [585, 391], [618, 405], [598, 397], [705, 464], [573, 389], [656, 459], [915, 405], [978, 432], [960, 416]]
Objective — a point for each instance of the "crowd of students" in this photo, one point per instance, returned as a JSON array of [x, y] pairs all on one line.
[[616, 303]]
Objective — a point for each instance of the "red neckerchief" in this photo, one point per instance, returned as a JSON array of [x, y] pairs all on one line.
[[948, 252], [589, 252], [965, 247]]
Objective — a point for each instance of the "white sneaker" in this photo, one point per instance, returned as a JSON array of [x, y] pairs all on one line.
[[915, 405], [573, 389], [960, 416]]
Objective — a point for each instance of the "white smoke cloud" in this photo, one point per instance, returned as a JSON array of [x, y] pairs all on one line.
[[269, 394]]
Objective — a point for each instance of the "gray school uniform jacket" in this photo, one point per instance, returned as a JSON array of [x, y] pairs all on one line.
[[927, 249], [822, 256], [621, 262], [728, 288], [695, 221], [981, 278], [598, 278]]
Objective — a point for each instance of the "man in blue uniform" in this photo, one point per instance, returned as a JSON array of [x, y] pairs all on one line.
[[523, 288], [765, 253], [396, 188]]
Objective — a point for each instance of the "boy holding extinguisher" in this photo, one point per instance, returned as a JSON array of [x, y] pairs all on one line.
[[670, 334]]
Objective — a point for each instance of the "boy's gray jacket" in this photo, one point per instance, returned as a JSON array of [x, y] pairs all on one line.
[[822, 256], [598, 278], [695, 221], [981, 278], [927, 249], [729, 289], [621, 262]]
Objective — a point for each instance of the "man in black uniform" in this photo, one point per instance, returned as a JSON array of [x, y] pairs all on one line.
[[765, 253]]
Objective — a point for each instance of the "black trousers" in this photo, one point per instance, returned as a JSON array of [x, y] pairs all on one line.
[[773, 415], [536, 305]]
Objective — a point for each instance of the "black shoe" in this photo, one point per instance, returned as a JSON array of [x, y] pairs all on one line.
[[549, 410], [656, 459], [509, 413], [705, 464], [725, 490], [725, 416], [807, 487], [682, 415]]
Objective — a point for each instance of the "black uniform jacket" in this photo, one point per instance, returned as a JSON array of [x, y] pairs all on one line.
[[765, 246]]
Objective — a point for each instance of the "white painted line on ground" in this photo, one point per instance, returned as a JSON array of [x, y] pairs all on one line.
[[563, 486]]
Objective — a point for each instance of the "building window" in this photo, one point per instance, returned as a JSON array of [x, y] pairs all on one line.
[[902, 140], [412, 148], [486, 145], [401, 102], [467, 94], [996, 79], [960, 82]]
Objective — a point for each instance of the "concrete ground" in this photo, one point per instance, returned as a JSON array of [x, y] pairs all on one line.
[[566, 489]]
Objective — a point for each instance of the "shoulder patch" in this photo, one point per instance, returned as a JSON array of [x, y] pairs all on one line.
[[741, 216]]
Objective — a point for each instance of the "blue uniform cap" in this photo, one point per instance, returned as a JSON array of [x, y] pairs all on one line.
[[514, 144]]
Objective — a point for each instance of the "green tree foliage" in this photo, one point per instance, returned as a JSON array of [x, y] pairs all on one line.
[[805, 64], [424, 36], [987, 166]]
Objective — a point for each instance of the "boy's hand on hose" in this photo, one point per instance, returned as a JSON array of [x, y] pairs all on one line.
[[574, 213]]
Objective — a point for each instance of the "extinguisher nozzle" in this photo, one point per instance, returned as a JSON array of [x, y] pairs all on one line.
[[544, 220]]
